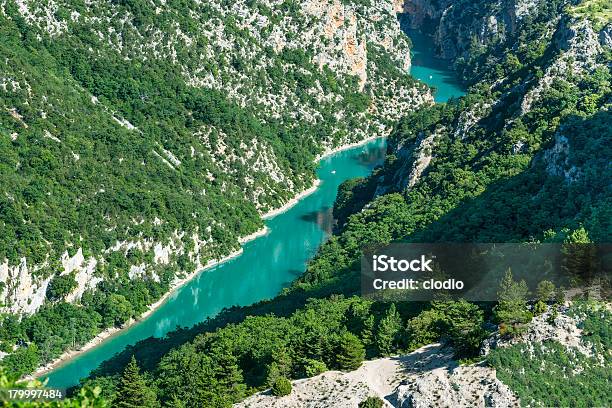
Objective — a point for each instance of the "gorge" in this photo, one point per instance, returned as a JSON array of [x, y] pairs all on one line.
[[140, 150], [271, 262]]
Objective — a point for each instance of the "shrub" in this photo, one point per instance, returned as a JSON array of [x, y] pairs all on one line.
[[281, 387], [371, 402], [60, 286], [314, 367], [539, 308]]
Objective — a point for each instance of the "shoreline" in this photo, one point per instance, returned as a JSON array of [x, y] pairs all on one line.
[[177, 284], [328, 152], [293, 201]]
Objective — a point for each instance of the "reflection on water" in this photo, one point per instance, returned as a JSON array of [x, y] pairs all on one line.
[[323, 218], [371, 157]]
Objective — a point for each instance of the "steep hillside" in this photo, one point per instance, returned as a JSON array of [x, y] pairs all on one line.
[[525, 156], [429, 376], [142, 139]]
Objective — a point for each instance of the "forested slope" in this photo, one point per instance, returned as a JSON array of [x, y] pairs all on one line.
[[141, 139], [525, 156]]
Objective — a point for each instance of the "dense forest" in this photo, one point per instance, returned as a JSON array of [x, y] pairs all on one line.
[[131, 160], [497, 180], [523, 157]]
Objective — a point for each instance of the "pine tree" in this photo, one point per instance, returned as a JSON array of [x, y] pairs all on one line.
[[579, 258], [388, 331], [545, 291], [132, 390], [349, 352], [367, 333], [511, 311]]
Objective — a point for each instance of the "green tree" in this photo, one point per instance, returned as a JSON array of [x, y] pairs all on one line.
[[116, 310], [132, 390], [314, 367], [21, 361], [388, 331], [462, 322], [511, 311], [424, 328], [349, 352], [281, 387], [371, 402], [560, 295], [60, 286], [539, 308], [545, 291], [367, 332], [280, 365], [579, 257]]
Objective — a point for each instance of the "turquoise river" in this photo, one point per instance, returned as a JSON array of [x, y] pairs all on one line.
[[268, 263]]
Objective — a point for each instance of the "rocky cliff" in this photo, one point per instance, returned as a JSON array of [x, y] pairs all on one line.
[[459, 25]]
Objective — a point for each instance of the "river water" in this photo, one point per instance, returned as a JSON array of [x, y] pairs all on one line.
[[271, 262]]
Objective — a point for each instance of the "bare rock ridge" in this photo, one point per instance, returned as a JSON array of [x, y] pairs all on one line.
[[427, 377]]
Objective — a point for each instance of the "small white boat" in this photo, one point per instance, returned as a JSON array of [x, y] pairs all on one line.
[[430, 77], [333, 171]]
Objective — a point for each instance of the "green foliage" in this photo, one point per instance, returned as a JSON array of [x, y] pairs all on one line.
[[281, 387], [132, 390], [481, 186], [280, 365], [60, 286], [598, 11], [371, 402], [488, 183], [24, 360], [349, 352], [458, 322], [314, 367], [95, 124], [389, 328], [552, 375], [511, 311], [86, 397], [116, 310], [539, 308], [545, 291]]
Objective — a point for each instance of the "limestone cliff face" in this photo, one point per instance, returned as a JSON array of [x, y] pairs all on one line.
[[456, 24], [573, 49]]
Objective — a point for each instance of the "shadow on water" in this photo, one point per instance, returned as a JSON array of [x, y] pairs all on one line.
[[295, 272], [323, 218], [371, 158]]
